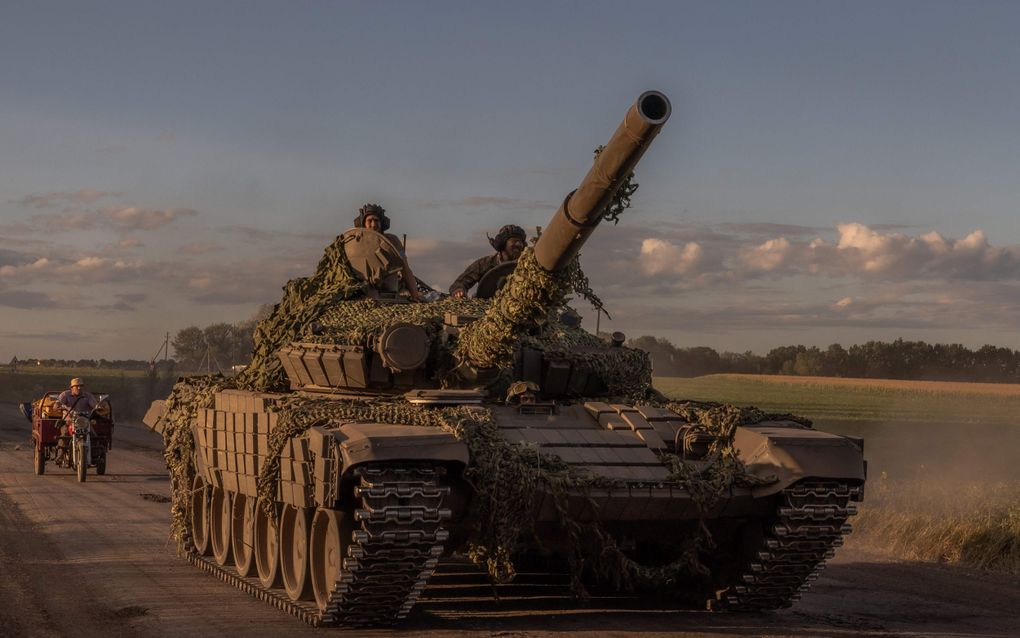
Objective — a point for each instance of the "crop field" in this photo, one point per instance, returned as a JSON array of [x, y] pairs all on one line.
[[831, 399], [943, 471], [128, 389]]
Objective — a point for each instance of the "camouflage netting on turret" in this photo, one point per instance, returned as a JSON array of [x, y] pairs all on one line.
[[523, 303], [627, 372], [304, 299], [355, 322]]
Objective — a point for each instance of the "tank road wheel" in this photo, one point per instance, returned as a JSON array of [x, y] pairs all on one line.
[[242, 529], [267, 555], [40, 459], [331, 532], [219, 525], [199, 522], [294, 528]]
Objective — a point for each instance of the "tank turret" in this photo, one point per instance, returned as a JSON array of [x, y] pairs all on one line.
[[381, 344]]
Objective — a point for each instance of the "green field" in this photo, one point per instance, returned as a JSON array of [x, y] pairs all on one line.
[[851, 400], [98, 374], [128, 389]]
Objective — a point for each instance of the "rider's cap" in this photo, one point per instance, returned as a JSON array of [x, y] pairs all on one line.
[[77, 381]]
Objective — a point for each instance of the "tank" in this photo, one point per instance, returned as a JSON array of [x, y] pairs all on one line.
[[372, 437]]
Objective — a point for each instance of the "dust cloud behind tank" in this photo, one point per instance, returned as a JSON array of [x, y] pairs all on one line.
[[371, 437]]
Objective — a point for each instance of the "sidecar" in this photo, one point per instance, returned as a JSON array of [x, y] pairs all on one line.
[[49, 445]]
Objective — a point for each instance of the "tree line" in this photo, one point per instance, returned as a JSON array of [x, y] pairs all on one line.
[[219, 346], [108, 364], [899, 359]]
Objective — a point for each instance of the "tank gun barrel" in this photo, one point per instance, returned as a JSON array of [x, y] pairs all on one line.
[[537, 283], [583, 209]]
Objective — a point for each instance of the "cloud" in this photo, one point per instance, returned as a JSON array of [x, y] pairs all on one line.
[[127, 218], [132, 297], [512, 203], [48, 337], [13, 271], [27, 300], [198, 248], [251, 233], [134, 218], [64, 198], [12, 257], [659, 256], [768, 228], [861, 251], [767, 256], [125, 302], [85, 270], [127, 243]]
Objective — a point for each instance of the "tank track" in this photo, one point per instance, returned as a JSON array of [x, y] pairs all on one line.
[[393, 550], [809, 523]]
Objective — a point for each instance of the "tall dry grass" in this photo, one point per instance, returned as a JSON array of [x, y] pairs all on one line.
[[973, 523]]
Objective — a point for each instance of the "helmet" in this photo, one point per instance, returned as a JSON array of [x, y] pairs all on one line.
[[372, 209], [77, 381], [505, 233]]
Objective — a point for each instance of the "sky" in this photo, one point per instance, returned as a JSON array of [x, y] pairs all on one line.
[[832, 172]]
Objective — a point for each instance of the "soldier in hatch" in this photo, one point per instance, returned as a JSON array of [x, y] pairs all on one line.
[[508, 242], [373, 217]]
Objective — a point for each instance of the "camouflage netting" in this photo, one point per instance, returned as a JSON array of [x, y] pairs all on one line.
[[505, 476], [304, 299], [525, 301], [355, 322], [189, 395], [621, 200], [627, 372]]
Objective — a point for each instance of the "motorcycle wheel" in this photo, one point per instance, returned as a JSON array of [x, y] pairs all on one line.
[[81, 463], [40, 459], [101, 465]]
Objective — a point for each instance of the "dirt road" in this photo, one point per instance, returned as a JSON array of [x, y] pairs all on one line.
[[93, 559]]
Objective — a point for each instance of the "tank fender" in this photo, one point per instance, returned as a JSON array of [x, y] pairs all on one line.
[[784, 455], [371, 442]]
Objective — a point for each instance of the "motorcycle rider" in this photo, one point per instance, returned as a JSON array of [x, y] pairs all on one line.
[[77, 399]]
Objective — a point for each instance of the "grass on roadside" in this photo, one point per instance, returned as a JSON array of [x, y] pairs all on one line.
[[972, 523]]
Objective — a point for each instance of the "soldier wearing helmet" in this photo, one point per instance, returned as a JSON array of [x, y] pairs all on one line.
[[508, 242], [373, 217]]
